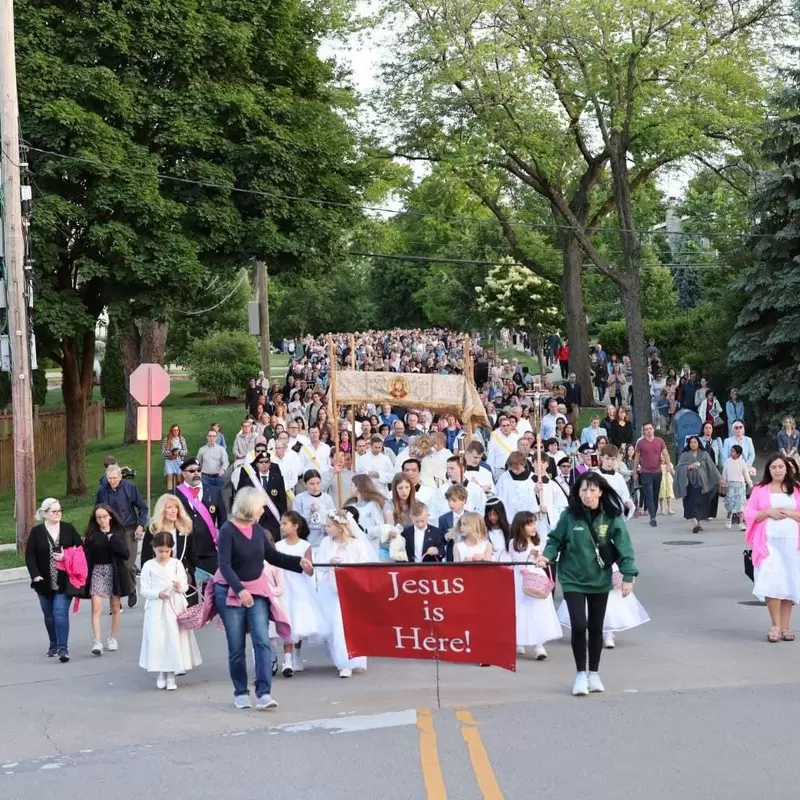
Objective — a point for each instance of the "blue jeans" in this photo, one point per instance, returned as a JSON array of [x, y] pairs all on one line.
[[236, 619], [56, 618], [651, 486], [215, 481]]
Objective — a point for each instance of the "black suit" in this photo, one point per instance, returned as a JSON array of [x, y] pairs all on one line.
[[433, 538], [273, 485]]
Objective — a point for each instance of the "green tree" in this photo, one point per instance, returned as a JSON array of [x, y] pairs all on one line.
[[223, 362], [764, 349], [112, 374]]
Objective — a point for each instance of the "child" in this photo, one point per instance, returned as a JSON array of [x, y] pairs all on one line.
[[537, 621], [735, 479], [666, 494], [300, 598], [276, 581], [167, 648], [456, 497], [172, 468], [342, 545], [497, 527], [313, 506], [622, 613], [473, 544]]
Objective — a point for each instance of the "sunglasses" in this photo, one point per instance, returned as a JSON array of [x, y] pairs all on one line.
[[192, 470]]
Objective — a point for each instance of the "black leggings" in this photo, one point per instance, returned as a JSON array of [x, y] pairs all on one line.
[[577, 604]]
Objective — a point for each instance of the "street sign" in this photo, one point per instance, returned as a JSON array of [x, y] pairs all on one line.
[[149, 384], [148, 423]]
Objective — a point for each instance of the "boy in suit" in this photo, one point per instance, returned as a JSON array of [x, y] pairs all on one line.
[[456, 496], [424, 542]]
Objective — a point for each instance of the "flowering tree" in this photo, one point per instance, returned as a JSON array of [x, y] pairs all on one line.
[[513, 297]]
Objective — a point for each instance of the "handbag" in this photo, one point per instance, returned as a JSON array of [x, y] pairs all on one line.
[[748, 565], [191, 618], [537, 584], [616, 580]]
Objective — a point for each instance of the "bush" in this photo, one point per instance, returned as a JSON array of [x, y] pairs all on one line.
[[5, 390], [112, 375], [223, 362], [39, 386]]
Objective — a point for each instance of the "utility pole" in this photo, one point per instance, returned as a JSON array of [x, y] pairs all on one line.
[[262, 278], [16, 283]]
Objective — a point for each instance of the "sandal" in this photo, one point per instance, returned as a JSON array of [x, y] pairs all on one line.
[[787, 636], [774, 635]]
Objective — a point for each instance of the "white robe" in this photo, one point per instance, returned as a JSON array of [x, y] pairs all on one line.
[[499, 449], [516, 495], [380, 463], [476, 500], [166, 647]]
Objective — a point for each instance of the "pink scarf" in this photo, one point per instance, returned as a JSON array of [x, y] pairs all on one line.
[[201, 509], [756, 535]]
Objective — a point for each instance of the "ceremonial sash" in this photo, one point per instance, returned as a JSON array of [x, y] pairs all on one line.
[[201, 509], [313, 458], [496, 437], [254, 479]]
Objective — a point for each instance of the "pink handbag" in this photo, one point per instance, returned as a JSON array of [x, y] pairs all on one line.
[[616, 580], [537, 584]]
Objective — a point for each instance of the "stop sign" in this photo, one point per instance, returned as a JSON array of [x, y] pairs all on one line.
[[149, 384]]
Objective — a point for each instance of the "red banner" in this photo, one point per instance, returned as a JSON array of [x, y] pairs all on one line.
[[460, 613]]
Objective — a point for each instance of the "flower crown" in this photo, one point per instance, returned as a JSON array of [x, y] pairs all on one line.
[[339, 517]]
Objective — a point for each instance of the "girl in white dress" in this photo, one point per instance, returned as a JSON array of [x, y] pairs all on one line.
[[472, 540], [497, 527], [537, 621], [300, 597], [369, 501], [313, 505], [167, 649], [342, 545], [622, 613]]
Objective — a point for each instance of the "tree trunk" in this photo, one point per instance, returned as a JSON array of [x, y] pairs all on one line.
[[577, 331], [144, 342], [537, 346], [636, 350], [77, 366]]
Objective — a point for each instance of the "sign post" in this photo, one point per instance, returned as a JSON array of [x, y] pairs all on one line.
[[149, 386]]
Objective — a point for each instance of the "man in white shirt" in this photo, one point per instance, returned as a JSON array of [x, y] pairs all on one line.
[[376, 464], [523, 426], [412, 469], [502, 443], [295, 436], [244, 442], [289, 463], [475, 472], [548, 426], [317, 455]]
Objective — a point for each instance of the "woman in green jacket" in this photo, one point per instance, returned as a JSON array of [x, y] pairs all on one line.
[[590, 536]]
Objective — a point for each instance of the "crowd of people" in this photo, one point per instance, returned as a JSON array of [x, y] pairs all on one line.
[[253, 532]]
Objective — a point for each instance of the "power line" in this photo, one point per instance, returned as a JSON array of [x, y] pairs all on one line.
[[380, 209]]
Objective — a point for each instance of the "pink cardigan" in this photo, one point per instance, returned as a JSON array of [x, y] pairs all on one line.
[[756, 535]]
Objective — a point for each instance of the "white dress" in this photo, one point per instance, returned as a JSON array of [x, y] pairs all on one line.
[[314, 510], [356, 551], [166, 647], [300, 597], [622, 613], [498, 541], [537, 621], [779, 573], [464, 550]]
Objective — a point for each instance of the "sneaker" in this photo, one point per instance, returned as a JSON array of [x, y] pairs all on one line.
[[653, 523], [242, 701], [172, 684], [97, 648], [539, 653], [520, 651], [112, 645], [288, 669], [581, 685], [743, 527], [161, 681], [132, 599], [52, 650], [63, 655], [265, 702], [274, 666], [594, 683], [345, 673], [297, 662], [728, 523], [608, 640]]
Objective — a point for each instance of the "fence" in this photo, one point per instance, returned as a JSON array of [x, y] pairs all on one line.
[[49, 439]]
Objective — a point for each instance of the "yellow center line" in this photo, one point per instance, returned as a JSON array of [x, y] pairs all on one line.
[[481, 765], [429, 756]]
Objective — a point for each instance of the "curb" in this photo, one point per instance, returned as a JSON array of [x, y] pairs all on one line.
[[13, 574]]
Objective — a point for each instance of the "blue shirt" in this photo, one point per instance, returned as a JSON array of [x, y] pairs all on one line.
[[748, 451], [589, 435]]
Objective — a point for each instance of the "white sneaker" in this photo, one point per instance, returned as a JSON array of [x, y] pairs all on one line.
[[97, 648], [172, 684], [265, 702], [594, 683], [345, 673], [288, 669], [728, 523], [297, 662], [520, 651], [743, 527], [242, 701], [161, 681], [608, 640], [581, 685], [112, 645], [539, 653]]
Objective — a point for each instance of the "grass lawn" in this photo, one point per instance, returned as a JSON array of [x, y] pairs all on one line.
[[194, 415], [9, 559]]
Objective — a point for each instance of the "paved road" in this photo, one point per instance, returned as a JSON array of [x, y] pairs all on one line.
[[697, 704]]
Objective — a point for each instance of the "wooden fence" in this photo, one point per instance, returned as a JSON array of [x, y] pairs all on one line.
[[49, 439]]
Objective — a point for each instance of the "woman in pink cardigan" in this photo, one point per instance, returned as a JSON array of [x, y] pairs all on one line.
[[772, 516]]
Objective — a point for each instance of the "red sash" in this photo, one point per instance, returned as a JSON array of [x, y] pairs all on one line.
[[201, 509]]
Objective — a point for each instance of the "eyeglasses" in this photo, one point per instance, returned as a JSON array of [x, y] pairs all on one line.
[[738, 427], [192, 471], [54, 510]]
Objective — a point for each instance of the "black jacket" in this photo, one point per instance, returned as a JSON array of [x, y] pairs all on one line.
[[125, 500], [111, 549], [201, 550], [433, 538], [276, 490], [37, 558]]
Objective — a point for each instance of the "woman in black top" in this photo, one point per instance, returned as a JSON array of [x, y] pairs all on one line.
[[241, 593], [621, 432], [44, 550], [106, 551]]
